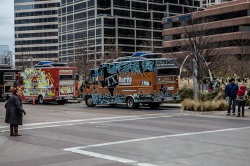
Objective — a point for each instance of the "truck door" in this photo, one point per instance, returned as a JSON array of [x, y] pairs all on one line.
[[167, 80], [66, 83]]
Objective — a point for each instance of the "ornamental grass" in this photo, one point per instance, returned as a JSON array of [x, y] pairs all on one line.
[[201, 106]]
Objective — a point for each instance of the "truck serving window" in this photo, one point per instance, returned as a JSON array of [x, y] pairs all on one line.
[[68, 77], [168, 71]]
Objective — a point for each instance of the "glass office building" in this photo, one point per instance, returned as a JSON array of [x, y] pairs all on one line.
[[101, 26], [6, 56], [36, 30], [206, 3], [227, 23]]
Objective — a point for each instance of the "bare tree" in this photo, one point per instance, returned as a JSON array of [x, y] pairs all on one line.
[[24, 58], [147, 45], [81, 59], [241, 54], [112, 51], [196, 44]]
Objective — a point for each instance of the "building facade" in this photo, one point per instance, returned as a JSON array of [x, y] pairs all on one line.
[[6, 56], [99, 28], [36, 30], [227, 23], [206, 3]]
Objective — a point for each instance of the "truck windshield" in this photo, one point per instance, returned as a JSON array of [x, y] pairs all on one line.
[[168, 71]]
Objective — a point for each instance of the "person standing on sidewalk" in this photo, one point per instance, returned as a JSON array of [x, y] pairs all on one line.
[[227, 98], [14, 112], [241, 98], [231, 93]]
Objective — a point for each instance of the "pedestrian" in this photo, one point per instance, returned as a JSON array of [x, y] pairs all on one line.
[[14, 112], [227, 98], [231, 93], [248, 96], [241, 98], [210, 87], [216, 84]]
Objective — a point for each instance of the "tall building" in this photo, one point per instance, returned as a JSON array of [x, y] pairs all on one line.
[[206, 3], [6, 56], [36, 30], [124, 26], [228, 25]]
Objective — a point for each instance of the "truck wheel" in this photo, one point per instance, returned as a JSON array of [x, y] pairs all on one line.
[[154, 105], [131, 103], [89, 101], [40, 99]]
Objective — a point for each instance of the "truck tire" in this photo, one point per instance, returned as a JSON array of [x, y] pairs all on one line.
[[89, 101], [40, 99], [131, 103], [154, 105]]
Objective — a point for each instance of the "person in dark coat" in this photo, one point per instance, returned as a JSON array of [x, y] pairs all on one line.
[[231, 93], [14, 112]]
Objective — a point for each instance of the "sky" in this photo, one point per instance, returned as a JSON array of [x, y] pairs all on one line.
[[7, 24]]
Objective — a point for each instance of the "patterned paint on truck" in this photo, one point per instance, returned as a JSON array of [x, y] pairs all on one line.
[[115, 82], [48, 83], [36, 82]]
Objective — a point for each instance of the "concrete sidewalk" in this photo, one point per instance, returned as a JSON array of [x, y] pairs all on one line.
[[3, 139]]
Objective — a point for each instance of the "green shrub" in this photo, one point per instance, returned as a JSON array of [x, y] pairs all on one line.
[[214, 95], [186, 93]]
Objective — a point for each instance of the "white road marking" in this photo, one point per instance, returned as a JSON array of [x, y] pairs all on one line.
[[157, 137], [112, 158], [87, 121], [82, 120], [167, 116], [80, 150]]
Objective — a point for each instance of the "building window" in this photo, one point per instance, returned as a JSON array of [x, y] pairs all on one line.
[[91, 33], [70, 9], [91, 13], [91, 3], [98, 32], [80, 6], [91, 23]]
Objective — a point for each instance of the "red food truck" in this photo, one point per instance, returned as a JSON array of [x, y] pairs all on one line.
[[48, 81]]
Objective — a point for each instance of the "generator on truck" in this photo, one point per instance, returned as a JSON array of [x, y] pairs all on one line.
[[47, 82], [147, 79], [7, 79]]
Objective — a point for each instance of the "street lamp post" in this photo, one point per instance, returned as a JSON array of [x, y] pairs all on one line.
[[194, 67], [31, 62]]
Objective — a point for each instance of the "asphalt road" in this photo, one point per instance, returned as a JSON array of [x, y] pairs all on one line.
[[75, 135]]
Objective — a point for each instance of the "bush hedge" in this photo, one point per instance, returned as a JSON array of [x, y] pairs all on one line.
[[187, 93], [192, 105]]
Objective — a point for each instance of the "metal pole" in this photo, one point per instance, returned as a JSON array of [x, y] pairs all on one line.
[[74, 83], [181, 68], [31, 62], [195, 88], [95, 60]]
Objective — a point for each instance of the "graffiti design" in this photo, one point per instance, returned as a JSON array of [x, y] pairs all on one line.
[[36, 82]]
